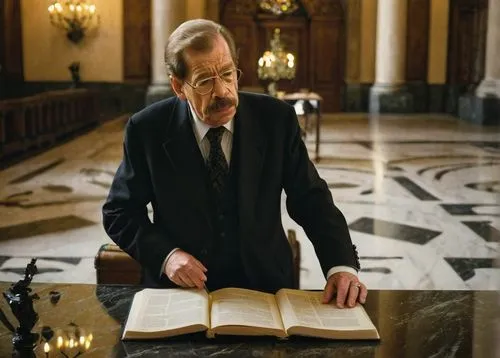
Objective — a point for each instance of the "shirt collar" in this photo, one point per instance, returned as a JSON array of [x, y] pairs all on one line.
[[201, 128]]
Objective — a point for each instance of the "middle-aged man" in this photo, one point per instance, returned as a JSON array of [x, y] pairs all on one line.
[[213, 162]]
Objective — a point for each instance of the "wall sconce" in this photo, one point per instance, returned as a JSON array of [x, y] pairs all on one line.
[[76, 17], [276, 64]]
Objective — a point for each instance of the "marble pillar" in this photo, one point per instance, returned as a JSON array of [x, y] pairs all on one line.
[[165, 17], [487, 99], [388, 94]]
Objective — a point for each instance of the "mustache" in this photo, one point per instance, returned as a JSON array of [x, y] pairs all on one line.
[[219, 103]]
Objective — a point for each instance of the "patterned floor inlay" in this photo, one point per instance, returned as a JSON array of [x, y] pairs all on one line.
[[413, 234], [41, 227], [424, 214], [484, 229], [36, 172]]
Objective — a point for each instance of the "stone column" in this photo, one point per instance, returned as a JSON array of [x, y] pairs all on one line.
[[389, 95], [487, 106], [165, 17]]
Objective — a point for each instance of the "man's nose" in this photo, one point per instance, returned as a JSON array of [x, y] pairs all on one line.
[[220, 88]]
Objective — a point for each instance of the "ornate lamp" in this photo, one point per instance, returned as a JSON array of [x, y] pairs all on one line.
[[279, 7], [76, 17], [276, 64]]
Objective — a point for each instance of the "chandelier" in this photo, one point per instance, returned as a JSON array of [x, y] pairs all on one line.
[[76, 17], [279, 7], [276, 64]]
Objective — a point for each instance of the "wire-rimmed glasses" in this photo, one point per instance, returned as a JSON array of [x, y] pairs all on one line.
[[206, 85]]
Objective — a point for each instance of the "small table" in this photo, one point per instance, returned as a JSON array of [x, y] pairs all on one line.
[[304, 104]]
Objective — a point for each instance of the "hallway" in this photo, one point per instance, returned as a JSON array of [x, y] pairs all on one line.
[[421, 195]]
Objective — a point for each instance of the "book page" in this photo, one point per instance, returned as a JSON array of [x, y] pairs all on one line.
[[241, 307], [166, 309], [303, 308]]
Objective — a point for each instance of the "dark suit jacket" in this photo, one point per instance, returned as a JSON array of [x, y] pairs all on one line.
[[161, 166]]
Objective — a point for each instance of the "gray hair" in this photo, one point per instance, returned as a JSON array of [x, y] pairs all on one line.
[[199, 35]]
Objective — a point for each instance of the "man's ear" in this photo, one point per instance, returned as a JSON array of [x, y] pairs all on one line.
[[177, 87]]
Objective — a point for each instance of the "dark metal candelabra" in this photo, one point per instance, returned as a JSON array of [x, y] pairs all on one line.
[[20, 300]]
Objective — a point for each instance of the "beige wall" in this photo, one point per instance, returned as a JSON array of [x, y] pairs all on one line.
[[47, 52], [353, 41], [212, 10], [438, 42], [195, 9], [368, 41]]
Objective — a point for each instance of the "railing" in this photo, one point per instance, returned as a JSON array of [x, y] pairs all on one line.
[[43, 119]]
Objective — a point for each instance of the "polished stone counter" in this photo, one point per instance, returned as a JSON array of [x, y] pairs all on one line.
[[410, 323]]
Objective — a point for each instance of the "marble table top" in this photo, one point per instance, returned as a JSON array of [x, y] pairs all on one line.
[[410, 323]]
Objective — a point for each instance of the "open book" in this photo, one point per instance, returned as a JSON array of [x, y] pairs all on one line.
[[160, 313]]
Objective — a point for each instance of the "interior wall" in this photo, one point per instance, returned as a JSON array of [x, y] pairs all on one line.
[[353, 40], [195, 9], [212, 10], [137, 41], [368, 41], [438, 41], [47, 52]]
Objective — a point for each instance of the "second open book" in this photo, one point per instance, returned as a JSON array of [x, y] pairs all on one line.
[[160, 313]]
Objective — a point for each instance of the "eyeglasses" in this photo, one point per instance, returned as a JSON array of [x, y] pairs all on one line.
[[206, 85]]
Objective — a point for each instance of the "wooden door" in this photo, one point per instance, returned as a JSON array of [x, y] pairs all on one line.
[[417, 40], [244, 32], [466, 48], [11, 49], [2, 52], [238, 16], [294, 36], [314, 33], [327, 51]]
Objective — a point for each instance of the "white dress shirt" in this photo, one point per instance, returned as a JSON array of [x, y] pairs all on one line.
[[200, 129]]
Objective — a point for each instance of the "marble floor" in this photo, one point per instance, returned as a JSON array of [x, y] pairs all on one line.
[[421, 195]]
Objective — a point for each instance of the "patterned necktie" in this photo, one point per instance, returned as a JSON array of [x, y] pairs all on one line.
[[217, 164]]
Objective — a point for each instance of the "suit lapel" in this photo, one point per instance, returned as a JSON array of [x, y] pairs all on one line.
[[184, 156], [251, 157]]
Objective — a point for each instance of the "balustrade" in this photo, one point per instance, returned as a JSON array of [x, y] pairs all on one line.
[[44, 119]]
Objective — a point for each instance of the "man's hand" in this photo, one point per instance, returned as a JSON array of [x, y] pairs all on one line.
[[185, 270], [347, 287]]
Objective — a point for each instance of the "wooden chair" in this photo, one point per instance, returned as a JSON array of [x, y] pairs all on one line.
[[115, 266]]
